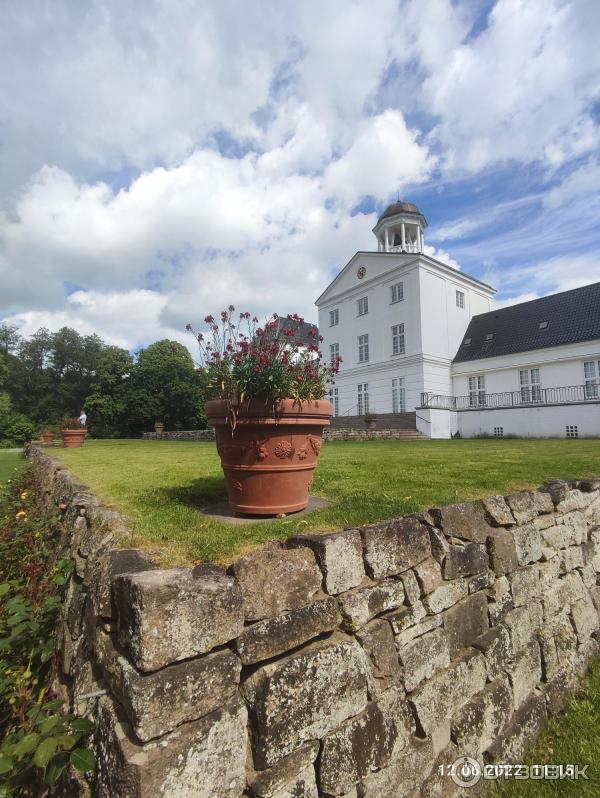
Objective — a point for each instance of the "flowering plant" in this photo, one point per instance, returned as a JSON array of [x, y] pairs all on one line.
[[240, 359], [71, 423]]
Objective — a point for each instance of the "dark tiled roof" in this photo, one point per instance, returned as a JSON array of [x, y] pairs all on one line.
[[572, 316], [400, 207]]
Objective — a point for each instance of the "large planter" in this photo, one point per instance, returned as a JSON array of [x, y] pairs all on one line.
[[159, 427], [269, 458], [47, 438], [73, 438]]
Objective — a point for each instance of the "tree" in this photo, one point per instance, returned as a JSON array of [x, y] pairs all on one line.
[[163, 384], [107, 404]]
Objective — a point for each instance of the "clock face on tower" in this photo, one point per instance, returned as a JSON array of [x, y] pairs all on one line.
[[361, 272]]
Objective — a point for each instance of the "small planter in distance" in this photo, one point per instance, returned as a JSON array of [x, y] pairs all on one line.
[[73, 433], [159, 427], [370, 420], [47, 438]]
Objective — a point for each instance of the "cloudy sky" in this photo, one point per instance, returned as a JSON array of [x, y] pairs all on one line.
[[160, 159]]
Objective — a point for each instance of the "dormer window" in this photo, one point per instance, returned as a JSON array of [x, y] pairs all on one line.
[[467, 342], [543, 325], [489, 337]]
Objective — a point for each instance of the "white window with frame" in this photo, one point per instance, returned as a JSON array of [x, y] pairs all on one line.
[[530, 384], [477, 391], [398, 395], [363, 305], [363, 398], [334, 398], [460, 299], [591, 375], [397, 292], [334, 317], [398, 339], [334, 352], [363, 348]]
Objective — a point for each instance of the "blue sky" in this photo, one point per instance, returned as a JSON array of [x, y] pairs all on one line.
[[159, 161]]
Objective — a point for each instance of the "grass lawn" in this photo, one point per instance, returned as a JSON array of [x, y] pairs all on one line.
[[10, 464], [162, 486], [570, 739]]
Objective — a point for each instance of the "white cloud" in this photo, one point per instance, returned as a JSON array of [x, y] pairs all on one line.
[[441, 255]]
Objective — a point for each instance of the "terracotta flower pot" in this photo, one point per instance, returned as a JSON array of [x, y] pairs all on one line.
[[47, 438], [159, 427], [270, 458], [73, 438]]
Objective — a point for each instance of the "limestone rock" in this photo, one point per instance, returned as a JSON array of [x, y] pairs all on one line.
[[395, 546], [271, 782], [465, 560], [503, 551], [497, 511], [523, 623], [481, 581], [377, 639], [360, 605], [526, 672], [496, 646], [305, 695], [273, 636], [466, 621], [429, 576], [585, 617], [501, 600], [166, 616], [528, 543], [464, 521], [525, 585], [543, 502], [521, 731], [479, 722], [423, 656], [412, 589], [404, 637], [304, 786], [110, 565], [448, 690], [557, 489], [446, 595], [523, 506], [406, 617], [339, 556], [573, 500], [275, 580], [201, 759], [404, 775]]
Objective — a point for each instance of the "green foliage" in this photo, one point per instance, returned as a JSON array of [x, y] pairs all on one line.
[[15, 428], [40, 740]]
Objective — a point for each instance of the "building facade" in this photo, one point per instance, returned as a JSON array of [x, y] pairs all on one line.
[[417, 335]]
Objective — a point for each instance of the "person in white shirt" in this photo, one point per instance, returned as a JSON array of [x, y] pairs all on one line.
[[82, 418]]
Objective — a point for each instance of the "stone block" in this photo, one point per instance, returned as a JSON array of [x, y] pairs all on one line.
[[439, 784], [110, 565], [360, 605], [404, 775], [556, 537], [501, 602], [496, 646], [273, 636], [448, 690], [526, 672], [446, 595], [573, 500], [404, 637], [585, 617], [566, 642], [523, 623], [522, 506], [576, 527], [271, 782], [275, 580], [466, 621], [480, 721], [377, 640], [502, 551], [549, 654], [395, 546], [305, 695], [155, 703], [464, 521], [557, 691], [571, 558], [465, 560], [528, 543], [497, 511], [439, 544], [592, 512], [520, 732], [429, 576], [588, 485], [481, 581], [203, 759], [405, 618], [423, 656], [339, 556], [167, 616], [557, 489], [543, 502], [362, 744], [412, 590], [525, 585], [305, 785]]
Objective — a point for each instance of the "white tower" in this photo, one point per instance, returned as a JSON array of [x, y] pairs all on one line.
[[400, 228]]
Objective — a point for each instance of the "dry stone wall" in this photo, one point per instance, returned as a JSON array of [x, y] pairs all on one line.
[[349, 664], [329, 434]]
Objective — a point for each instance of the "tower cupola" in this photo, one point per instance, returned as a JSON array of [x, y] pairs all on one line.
[[400, 228]]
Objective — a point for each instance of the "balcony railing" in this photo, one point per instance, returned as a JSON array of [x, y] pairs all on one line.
[[406, 248], [532, 396]]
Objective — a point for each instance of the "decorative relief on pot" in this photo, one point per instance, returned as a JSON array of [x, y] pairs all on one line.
[[302, 453], [284, 449], [260, 450], [315, 443], [237, 487]]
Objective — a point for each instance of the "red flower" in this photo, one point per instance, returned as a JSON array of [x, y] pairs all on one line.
[[188, 327], [209, 319]]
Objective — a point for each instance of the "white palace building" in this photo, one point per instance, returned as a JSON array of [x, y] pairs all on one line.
[[416, 335]]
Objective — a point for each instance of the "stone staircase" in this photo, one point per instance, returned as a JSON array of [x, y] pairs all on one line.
[[402, 426]]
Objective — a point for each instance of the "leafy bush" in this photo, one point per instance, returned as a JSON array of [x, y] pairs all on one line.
[[39, 740]]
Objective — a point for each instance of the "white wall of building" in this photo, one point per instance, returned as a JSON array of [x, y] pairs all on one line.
[[532, 422], [559, 366]]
